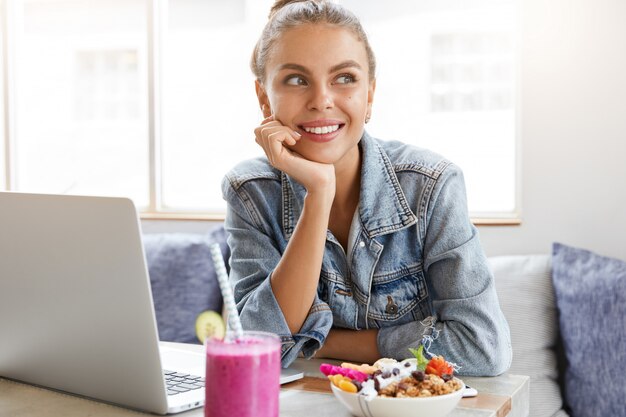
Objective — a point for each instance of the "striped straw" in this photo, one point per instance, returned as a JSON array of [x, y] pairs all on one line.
[[227, 292]]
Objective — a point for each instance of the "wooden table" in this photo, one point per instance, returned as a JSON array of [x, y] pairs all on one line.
[[505, 395]]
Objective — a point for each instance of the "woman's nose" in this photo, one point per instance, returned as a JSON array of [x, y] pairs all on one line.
[[321, 98]]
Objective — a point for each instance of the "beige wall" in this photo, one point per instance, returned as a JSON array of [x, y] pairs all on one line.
[[573, 129]]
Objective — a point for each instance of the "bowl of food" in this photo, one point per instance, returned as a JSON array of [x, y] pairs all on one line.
[[388, 388]]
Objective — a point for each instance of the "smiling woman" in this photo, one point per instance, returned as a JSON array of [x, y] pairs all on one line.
[[345, 245]]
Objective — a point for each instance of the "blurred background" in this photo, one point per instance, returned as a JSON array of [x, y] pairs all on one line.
[[154, 100]]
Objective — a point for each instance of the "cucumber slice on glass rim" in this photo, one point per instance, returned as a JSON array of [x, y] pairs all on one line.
[[210, 324]]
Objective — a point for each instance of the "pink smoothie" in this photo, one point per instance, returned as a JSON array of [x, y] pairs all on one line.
[[243, 377]]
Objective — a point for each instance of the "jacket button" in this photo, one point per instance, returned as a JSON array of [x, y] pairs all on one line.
[[361, 244], [392, 308]]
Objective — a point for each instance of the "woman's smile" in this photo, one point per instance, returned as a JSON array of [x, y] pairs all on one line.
[[321, 131]]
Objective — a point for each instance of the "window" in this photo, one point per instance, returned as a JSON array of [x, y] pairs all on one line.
[[154, 100], [80, 97]]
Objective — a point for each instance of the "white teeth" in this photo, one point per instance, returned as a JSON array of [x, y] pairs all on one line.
[[321, 130]]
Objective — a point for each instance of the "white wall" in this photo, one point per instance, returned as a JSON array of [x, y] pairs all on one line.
[[573, 129]]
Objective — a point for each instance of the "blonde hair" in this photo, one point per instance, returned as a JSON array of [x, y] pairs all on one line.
[[286, 14]]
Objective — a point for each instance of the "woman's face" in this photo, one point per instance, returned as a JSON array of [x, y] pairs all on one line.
[[317, 83]]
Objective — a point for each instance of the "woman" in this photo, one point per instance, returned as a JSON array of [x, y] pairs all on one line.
[[346, 246]]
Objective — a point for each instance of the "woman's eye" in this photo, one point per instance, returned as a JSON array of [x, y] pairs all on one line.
[[345, 79], [295, 80]]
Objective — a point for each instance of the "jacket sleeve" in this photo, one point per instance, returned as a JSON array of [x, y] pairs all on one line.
[[467, 327], [254, 255]]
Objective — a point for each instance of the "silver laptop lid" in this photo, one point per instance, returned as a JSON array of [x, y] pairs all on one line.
[[75, 303]]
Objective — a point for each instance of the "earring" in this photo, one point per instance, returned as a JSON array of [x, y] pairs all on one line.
[[367, 118]]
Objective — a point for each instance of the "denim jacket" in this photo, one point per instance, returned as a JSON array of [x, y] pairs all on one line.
[[414, 267]]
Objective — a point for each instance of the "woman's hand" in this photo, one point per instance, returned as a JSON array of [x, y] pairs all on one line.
[[276, 140]]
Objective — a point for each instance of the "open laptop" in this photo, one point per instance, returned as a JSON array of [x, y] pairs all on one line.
[[76, 311]]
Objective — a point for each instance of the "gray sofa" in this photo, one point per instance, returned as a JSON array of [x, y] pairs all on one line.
[[528, 301], [183, 279]]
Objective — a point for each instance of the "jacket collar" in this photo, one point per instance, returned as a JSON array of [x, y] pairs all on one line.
[[383, 208]]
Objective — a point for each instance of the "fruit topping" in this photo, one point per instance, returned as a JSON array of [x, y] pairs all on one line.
[[328, 370], [439, 366]]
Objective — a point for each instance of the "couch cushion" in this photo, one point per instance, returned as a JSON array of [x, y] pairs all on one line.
[[184, 282], [591, 297], [527, 300]]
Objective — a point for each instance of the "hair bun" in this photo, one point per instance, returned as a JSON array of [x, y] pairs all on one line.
[[279, 4]]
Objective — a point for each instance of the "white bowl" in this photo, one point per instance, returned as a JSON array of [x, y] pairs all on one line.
[[436, 406]]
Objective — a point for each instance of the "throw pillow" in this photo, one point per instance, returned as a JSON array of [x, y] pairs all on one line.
[[526, 298], [591, 297], [183, 279]]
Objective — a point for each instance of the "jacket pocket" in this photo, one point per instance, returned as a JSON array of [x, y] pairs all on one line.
[[395, 294]]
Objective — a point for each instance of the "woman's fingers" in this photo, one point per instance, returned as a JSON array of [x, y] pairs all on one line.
[[274, 138], [259, 129], [279, 137], [277, 132], [274, 151], [272, 121]]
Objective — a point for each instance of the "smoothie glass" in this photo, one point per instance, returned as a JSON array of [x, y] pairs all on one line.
[[243, 376]]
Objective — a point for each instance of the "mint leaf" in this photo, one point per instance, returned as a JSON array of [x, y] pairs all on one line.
[[421, 359]]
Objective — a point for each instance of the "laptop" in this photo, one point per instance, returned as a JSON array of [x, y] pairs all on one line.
[[76, 310]]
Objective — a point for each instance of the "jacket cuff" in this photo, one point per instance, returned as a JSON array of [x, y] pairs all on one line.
[[312, 335], [261, 312]]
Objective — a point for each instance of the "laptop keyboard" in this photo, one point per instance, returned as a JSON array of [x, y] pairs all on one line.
[[177, 382]]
